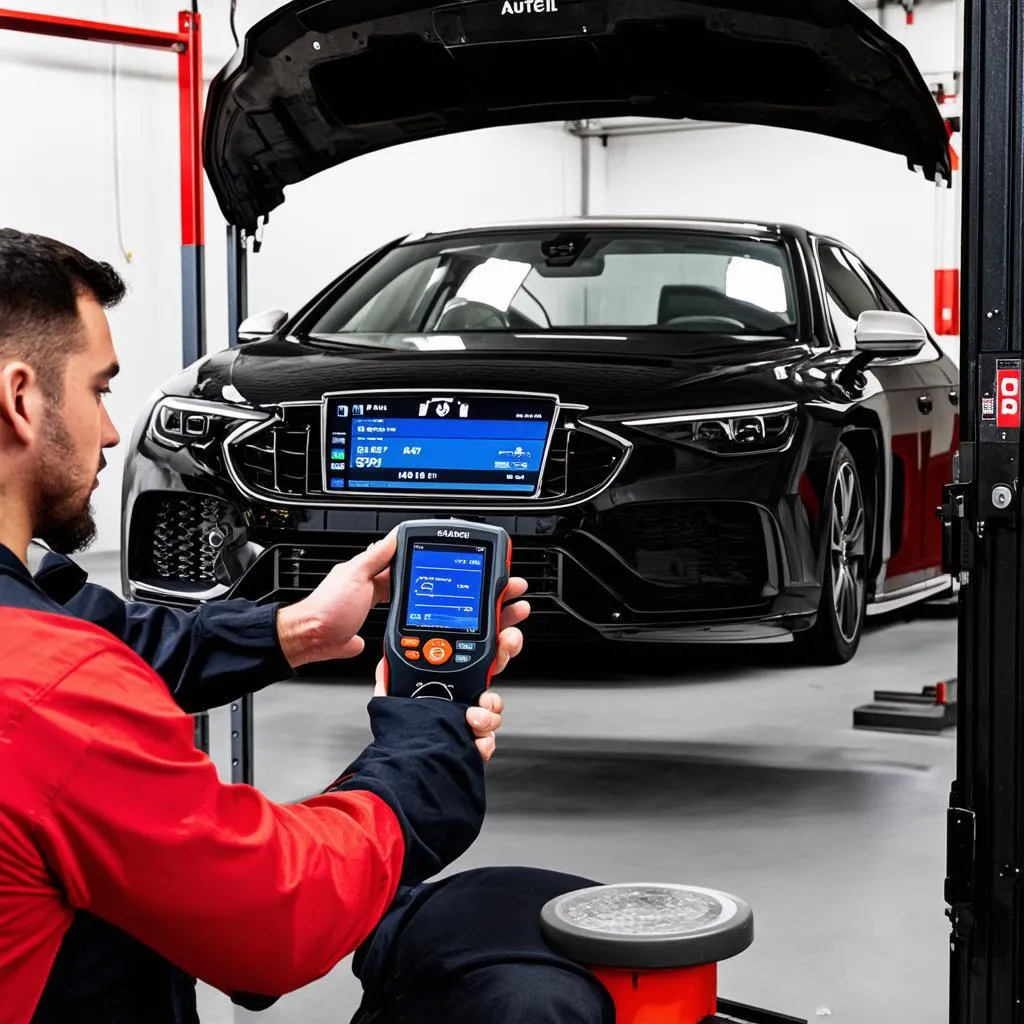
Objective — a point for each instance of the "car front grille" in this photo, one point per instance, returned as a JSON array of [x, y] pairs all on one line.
[[302, 568], [283, 460], [169, 543], [277, 460]]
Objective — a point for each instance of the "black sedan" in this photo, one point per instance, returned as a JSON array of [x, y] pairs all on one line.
[[692, 431]]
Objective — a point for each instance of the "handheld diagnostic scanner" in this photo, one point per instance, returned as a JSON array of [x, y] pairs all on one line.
[[447, 580]]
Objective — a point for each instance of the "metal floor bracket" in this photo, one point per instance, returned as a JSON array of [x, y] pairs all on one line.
[[931, 710], [737, 1013]]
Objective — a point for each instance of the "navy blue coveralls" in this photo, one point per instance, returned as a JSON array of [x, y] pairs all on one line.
[[466, 948]]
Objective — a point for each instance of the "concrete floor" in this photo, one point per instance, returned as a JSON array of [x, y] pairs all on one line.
[[729, 769]]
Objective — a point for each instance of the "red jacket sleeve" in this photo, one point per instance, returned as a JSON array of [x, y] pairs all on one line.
[[237, 890]]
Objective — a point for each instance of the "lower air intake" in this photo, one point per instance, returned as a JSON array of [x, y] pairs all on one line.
[[178, 528]]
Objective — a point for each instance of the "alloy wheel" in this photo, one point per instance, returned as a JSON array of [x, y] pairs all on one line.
[[847, 552]]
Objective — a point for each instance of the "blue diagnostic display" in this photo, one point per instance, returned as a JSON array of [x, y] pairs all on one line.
[[446, 444], [445, 588]]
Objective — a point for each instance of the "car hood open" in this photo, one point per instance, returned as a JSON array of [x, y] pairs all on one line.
[[322, 81]]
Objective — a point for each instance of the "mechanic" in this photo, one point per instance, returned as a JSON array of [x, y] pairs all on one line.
[[127, 868]]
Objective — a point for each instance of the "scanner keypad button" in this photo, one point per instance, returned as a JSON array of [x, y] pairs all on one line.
[[437, 651]]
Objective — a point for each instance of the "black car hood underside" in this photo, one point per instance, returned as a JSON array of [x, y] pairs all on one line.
[[320, 82]]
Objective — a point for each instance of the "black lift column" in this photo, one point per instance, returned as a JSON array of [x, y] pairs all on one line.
[[985, 818]]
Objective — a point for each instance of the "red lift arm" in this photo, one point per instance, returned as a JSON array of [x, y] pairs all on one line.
[[186, 42]]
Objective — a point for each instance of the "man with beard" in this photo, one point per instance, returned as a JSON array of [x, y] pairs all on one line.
[[127, 868]]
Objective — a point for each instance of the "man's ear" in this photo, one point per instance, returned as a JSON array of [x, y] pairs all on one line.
[[20, 401]]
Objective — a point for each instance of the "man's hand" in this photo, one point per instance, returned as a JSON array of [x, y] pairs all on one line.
[[325, 625], [485, 720]]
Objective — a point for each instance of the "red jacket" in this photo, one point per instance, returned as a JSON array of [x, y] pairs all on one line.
[[106, 807]]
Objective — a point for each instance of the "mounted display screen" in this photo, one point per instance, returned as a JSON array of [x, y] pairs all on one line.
[[445, 587], [444, 443]]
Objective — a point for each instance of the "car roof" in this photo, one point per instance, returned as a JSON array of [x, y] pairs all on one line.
[[767, 230]]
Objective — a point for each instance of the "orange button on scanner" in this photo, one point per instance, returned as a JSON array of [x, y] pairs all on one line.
[[437, 651], [413, 655], [410, 641]]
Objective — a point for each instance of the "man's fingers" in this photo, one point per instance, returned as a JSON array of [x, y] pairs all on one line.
[[510, 643], [377, 557], [513, 608], [352, 648], [515, 588], [485, 745], [482, 721], [513, 614], [492, 701], [379, 689], [382, 586]]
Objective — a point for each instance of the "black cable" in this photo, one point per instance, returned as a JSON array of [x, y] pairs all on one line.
[[231, 21]]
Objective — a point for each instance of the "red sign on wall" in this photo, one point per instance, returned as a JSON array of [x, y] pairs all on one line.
[[1008, 398]]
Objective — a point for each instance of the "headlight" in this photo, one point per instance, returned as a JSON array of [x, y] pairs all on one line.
[[177, 422], [748, 431]]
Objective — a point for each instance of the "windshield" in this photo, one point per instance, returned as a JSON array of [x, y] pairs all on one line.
[[683, 282]]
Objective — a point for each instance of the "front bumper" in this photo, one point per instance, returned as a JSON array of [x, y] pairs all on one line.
[[675, 545], [723, 571]]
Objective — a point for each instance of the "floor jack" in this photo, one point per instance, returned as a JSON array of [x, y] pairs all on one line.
[[656, 948], [931, 710]]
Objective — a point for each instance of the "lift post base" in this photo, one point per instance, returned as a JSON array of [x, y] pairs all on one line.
[[932, 710]]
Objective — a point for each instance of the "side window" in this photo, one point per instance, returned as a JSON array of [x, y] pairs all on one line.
[[890, 300], [848, 290]]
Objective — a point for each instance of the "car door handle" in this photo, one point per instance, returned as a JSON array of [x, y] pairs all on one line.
[[924, 403], [954, 398]]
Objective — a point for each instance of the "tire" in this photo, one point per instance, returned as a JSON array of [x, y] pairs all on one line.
[[836, 635]]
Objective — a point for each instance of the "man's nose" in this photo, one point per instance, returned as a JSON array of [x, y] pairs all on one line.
[[110, 438]]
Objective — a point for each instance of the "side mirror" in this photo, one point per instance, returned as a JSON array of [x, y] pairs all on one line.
[[883, 333], [261, 325]]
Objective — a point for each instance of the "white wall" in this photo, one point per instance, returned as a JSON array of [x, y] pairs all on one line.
[[56, 177], [868, 199], [933, 39]]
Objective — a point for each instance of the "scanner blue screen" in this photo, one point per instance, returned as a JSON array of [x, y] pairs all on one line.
[[445, 588]]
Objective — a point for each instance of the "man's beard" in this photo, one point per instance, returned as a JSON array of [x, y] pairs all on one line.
[[63, 522]]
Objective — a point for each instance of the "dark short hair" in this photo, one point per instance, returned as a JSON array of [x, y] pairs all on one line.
[[41, 281]]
